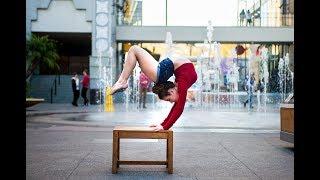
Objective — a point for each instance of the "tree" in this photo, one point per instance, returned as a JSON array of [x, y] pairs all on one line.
[[40, 49]]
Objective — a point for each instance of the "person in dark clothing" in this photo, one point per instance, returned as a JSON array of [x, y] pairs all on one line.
[[75, 89], [85, 86], [260, 86], [249, 88], [242, 17]]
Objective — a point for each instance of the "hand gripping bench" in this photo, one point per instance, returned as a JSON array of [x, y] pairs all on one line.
[[141, 133]]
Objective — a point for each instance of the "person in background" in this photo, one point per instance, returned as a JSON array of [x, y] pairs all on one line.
[[250, 88], [75, 89], [85, 86], [259, 90], [242, 17], [144, 83], [248, 18]]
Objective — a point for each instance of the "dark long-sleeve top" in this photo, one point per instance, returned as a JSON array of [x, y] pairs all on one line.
[[185, 76]]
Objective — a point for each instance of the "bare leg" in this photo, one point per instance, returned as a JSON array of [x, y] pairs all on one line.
[[146, 62]]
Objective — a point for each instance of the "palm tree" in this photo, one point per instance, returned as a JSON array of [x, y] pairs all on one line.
[[40, 49]]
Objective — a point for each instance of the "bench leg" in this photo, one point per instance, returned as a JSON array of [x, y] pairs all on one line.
[[167, 152], [115, 149], [170, 153], [118, 152]]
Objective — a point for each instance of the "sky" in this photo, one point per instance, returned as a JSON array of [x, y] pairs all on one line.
[[190, 12]]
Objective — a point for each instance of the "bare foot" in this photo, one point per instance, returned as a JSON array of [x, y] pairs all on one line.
[[118, 87]]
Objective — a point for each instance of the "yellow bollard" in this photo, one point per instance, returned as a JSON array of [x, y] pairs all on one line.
[[108, 101]]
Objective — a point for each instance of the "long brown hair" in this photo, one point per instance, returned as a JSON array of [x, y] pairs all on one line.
[[161, 89]]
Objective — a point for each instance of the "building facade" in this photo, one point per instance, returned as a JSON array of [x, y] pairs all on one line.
[[95, 34]]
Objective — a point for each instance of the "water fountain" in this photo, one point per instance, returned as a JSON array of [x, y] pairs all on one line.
[[209, 70], [234, 74], [281, 75], [233, 79], [265, 74], [199, 83], [105, 80], [128, 91], [101, 81], [289, 72], [283, 68], [136, 87], [108, 83], [169, 46], [203, 70], [217, 72]]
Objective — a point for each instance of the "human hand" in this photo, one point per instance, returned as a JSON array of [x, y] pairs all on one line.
[[157, 128]]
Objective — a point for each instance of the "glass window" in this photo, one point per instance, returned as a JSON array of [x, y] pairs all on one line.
[[198, 13], [153, 13]]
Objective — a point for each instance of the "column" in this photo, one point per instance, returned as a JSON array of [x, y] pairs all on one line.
[[101, 60]]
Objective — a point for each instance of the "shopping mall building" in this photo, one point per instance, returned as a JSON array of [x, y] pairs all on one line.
[[95, 34]]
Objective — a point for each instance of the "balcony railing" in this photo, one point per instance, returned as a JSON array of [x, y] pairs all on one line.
[[270, 21], [269, 18]]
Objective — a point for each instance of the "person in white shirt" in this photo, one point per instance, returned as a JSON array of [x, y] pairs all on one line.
[[248, 18], [75, 89]]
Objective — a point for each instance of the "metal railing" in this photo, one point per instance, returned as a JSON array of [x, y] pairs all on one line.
[[54, 87], [264, 20]]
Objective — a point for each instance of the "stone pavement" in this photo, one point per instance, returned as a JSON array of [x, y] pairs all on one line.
[[76, 152], [48, 108], [223, 119], [63, 142]]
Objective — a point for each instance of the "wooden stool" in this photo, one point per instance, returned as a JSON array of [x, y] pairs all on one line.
[[141, 133]]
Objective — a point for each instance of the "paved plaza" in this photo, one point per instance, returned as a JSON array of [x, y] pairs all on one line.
[[65, 142]]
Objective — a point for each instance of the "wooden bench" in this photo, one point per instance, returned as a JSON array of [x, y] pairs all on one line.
[[287, 122], [141, 133]]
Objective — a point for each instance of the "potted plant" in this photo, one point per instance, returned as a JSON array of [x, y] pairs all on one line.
[[39, 49]]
